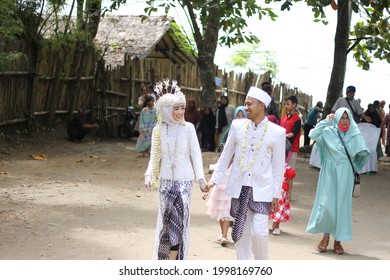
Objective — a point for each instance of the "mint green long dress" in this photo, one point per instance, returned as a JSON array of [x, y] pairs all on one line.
[[332, 208]]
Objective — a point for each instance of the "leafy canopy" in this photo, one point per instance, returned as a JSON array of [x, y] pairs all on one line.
[[228, 16]]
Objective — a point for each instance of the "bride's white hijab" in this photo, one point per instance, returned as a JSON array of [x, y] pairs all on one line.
[[166, 104]]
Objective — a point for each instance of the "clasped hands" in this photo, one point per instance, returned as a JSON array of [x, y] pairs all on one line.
[[204, 186]]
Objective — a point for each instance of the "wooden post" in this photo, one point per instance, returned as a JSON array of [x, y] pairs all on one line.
[[79, 69], [35, 59], [56, 87]]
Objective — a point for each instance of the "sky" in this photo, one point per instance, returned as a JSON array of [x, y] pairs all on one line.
[[303, 51]]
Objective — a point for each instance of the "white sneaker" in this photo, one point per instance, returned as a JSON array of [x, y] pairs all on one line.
[[219, 238], [276, 231]]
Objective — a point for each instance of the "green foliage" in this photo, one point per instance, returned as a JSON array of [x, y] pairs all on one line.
[[10, 23], [10, 59], [10, 26], [317, 7], [242, 57], [251, 57], [373, 31], [234, 24], [183, 42], [269, 63], [115, 5], [229, 16]]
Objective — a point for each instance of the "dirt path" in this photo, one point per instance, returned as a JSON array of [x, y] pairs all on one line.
[[87, 201]]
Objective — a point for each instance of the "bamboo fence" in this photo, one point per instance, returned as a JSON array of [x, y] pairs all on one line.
[[48, 84]]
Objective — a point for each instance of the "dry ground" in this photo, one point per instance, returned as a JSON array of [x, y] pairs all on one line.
[[87, 202]]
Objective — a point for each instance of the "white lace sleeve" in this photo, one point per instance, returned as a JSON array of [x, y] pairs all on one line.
[[196, 154], [149, 169]]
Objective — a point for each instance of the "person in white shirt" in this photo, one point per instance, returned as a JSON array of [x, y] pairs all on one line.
[[256, 148]]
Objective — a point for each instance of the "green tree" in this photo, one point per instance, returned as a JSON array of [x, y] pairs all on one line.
[[35, 19], [207, 18], [10, 26], [367, 39], [250, 56]]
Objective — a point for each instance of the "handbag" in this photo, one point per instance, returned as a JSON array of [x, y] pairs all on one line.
[[356, 185]]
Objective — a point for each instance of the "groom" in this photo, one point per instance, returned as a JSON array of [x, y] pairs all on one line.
[[256, 148]]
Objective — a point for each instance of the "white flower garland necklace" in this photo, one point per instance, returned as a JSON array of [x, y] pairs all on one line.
[[171, 159], [258, 147], [156, 159], [156, 152]]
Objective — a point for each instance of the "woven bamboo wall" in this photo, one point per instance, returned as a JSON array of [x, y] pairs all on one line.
[[62, 79]]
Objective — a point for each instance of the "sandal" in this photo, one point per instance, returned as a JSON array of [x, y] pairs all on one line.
[[323, 244], [276, 231], [224, 242], [337, 248]]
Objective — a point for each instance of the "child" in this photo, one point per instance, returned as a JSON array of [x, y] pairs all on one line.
[[283, 213], [218, 206]]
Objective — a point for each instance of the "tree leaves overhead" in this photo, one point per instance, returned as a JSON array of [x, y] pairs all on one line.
[[374, 31], [10, 23], [213, 22], [229, 16], [369, 37]]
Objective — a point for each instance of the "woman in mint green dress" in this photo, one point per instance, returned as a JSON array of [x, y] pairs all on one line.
[[147, 122], [332, 209]]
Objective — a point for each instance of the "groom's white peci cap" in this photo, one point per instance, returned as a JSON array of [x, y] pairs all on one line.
[[260, 95]]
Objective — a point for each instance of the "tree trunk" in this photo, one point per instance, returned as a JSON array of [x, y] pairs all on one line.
[[78, 72], [80, 12], [206, 49], [336, 83], [93, 11], [34, 58], [207, 77]]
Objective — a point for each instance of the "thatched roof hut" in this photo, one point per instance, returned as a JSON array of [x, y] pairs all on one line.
[[157, 37]]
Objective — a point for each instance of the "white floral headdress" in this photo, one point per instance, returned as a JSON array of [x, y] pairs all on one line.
[[167, 95], [162, 88]]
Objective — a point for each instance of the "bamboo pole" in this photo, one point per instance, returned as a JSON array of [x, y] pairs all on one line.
[[35, 58], [76, 90], [14, 121]]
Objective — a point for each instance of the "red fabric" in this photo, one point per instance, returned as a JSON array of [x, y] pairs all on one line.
[[272, 118], [288, 174], [343, 129], [288, 122], [283, 213]]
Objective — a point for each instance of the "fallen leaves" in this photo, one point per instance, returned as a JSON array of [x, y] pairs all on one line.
[[39, 157]]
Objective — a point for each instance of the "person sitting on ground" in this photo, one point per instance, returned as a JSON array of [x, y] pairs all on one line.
[[78, 128]]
